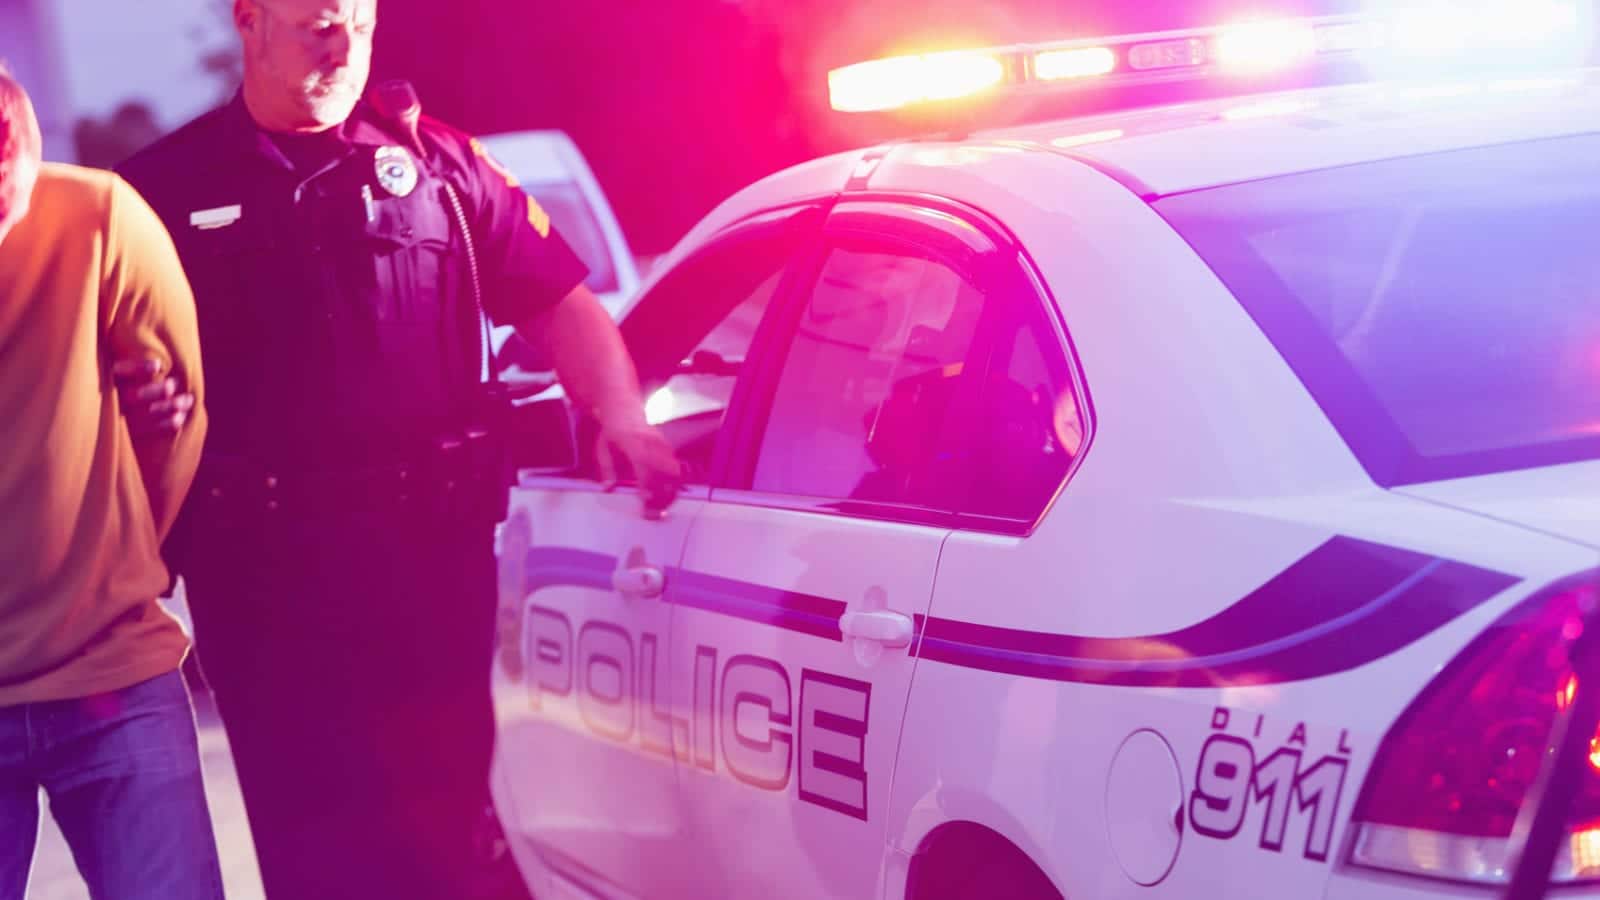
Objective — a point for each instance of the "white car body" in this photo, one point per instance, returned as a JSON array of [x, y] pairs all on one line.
[[1209, 487]]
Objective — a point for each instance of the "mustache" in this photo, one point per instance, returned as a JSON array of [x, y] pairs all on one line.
[[341, 75], [332, 83]]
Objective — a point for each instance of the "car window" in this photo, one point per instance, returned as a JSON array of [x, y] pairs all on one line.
[[1443, 309], [879, 356], [692, 403], [692, 333], [1031, 426], [572, 216]]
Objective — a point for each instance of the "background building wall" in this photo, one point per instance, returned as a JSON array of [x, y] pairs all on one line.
[[108, 76]]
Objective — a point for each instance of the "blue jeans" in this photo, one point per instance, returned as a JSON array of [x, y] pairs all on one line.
[[122, 771]]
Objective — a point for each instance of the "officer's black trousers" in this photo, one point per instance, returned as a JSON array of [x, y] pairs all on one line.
[[350, 658]]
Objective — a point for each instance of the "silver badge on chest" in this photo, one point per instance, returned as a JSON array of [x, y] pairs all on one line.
[[397, 171]]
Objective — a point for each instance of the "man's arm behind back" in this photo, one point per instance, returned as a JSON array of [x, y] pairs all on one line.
[[148, 311]]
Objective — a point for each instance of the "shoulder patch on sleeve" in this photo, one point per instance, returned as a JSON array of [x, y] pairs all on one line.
[[538, 218], [502, 171]]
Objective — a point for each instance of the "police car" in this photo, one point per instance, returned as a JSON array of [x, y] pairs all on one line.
[[1188, 502]]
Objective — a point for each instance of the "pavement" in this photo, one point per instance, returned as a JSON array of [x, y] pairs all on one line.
[[55, 877]]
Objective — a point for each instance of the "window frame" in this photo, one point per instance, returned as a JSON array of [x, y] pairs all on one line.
[[1040, 311], [640, 329], [1059, 363], [994, 264]]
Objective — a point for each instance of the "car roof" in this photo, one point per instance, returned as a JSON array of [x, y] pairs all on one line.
[[1165, 150]]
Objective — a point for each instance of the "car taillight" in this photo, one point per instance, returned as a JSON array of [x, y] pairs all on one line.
[[1451, 776]]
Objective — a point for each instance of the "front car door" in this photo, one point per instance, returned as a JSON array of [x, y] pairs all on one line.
[[585, 758], [805, 573]]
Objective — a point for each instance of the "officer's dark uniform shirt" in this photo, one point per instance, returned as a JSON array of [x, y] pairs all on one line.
[[336, 314]]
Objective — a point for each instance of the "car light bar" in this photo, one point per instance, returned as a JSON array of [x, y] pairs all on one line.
[[905, 80], [1539, 32]]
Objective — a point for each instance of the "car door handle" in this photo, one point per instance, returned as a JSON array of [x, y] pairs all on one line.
[[640, 581], [880, 626], [636, 578]]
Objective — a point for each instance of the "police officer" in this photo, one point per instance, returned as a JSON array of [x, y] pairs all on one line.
[[338, 547]]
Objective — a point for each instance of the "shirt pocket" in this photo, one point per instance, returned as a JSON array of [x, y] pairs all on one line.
[[407, 272]]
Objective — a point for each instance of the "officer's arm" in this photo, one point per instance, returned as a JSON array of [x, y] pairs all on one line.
[[151, 315], [599, 377], [590, 358], [535, 283]]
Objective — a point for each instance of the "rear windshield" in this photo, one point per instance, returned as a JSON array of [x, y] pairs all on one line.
[[575, 220], [1444, 310]]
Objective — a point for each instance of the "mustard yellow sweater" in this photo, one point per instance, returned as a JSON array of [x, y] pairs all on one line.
[[87, 277]]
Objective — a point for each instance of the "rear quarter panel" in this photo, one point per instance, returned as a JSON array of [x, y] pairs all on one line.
[[1209, 472]]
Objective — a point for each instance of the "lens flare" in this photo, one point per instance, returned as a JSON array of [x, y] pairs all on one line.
[[883, 84], [1265, 46], [661, 407], [1083, 62]]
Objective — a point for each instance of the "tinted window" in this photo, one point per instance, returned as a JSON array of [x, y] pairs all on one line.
[[1031, 427], [693, 402], [692, 333], [880, 353], [1444, 309]]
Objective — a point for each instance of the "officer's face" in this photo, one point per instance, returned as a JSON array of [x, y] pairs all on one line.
[[306, 61]]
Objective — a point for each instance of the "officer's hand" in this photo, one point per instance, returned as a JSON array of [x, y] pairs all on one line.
[[655, 465], [152, 404]]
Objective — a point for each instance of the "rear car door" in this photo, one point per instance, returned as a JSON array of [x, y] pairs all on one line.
[[585, 754], [805, 573]]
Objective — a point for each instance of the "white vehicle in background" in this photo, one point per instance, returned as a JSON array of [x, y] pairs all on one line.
[[553, 171], [1192, 502]]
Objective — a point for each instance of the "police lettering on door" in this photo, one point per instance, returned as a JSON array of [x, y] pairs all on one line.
[[746, 715]]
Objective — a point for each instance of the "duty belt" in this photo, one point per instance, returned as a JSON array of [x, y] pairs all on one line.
[[432, 483]]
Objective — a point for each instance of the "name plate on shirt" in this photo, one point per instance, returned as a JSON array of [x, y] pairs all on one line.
[[221, 217]]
